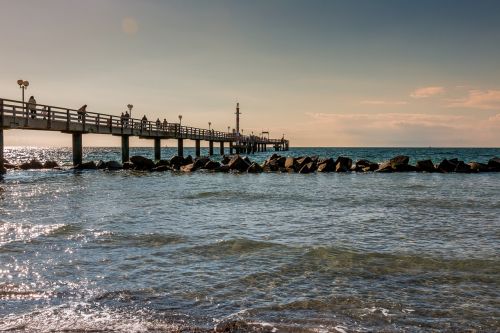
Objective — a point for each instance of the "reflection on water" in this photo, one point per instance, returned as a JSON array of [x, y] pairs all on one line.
[[122, 251]]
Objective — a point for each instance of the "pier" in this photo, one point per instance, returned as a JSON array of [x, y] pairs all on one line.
[[17, 115]]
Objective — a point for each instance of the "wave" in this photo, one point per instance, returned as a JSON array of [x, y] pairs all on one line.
[[231, 247], [139, 240], [27, 232]]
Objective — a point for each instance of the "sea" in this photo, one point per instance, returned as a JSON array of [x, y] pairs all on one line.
[[129, 251]]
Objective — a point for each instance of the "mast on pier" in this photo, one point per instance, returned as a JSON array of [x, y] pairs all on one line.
[[238, 118]]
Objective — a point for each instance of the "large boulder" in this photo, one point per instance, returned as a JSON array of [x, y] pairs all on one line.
[[461, 167], [302, 161], [162, 162], [494, 164], [128, 165], [478, 167], [114, 165], [271, 165], [223, 168], [400, 163], [425, 166], [327, 165], [86, 166], [307, 168], [254, 168], [200, 162], [101, 165], [225, 159], [211, 165], [142, 163], [161, 168], [187, 160], [385, 167], [33, 164], [447, 165], [365, 166], [343, 164], [238, 163], [290, 163], [188, 168], [50, 165], [176, 162]]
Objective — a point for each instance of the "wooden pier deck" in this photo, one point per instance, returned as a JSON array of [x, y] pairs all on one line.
[[17, 115]]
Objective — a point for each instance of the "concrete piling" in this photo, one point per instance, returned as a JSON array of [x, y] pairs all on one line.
[[197, 148], [210, 148], [221, 148], [77, 148], [180, 147], [157, 149], [125, 148]]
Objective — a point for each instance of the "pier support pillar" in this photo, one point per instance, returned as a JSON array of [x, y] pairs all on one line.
[[180, 147], [198, 149], [157, 149], [2, 170], [125, 148], [77, 148], [231, 148], [210, 148], [221, 148]]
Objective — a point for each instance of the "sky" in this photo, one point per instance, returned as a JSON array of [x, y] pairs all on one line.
[[322, 72]]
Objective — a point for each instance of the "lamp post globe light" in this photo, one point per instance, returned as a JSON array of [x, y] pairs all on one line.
[[23, 85], [130, 106], [209, 124]]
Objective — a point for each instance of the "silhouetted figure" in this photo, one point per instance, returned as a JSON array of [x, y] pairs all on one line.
[[32, 107], [158, 123], [82, 112], [122, 119], [144, 121], [165, 124], [126, 117]]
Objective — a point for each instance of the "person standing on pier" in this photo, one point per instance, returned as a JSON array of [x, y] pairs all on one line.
[[126, 117], [32, 107], [81, 112], [158, 123], [165, 124], [144, 121]]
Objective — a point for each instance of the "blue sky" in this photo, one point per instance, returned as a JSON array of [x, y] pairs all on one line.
[[326, 73]]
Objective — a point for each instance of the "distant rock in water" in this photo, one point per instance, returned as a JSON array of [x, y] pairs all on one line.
[[478, 167], [142, 163], [86, 166], [33, 164], [254, 168], [238, 163], [425, 166], [494, 164], [50, 165], [343, 164]]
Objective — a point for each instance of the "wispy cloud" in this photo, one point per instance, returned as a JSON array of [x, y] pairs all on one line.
[[478, 99], [130, 26], [383, 103], [426, 92]]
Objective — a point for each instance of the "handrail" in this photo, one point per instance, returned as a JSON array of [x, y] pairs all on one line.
[[109, 122]]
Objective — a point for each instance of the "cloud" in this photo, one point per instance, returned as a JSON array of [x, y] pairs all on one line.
[[130, 26], [478, 99], [383, 103], [426, 92]]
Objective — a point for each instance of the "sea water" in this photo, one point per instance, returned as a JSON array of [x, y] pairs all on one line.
[[275, 252]]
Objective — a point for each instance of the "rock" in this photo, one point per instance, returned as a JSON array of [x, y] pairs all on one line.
[[246, 159], [10, 166], [343, 164], [128, 165], [307, 168], [86, 166], [385, 167], [3, 171], [187, 160], [302, 161], [327, 165], [101, 165], [188, 168], [33, 164], [290, 163], [162, 162], [176, 162], [200, 162], [274, 157], [50, 164], [238, 163], [161, 168], [254, 168], [425, 166], [142, 163], [365, 166], [400, 164], [478, 167], [211, 165], [281, 161], [271, 165], [461, 167], [222, 168], [114, 165], [494, 164], [225, 159], [447, 165]]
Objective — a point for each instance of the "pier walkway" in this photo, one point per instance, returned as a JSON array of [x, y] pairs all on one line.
[[18, 115]]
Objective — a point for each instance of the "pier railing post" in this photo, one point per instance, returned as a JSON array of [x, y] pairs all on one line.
[[77, 148], [68, 119], [49, 118]]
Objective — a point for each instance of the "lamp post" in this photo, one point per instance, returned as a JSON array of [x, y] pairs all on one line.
[[209, 124], [130, 106], [229, 129], [23, 85]]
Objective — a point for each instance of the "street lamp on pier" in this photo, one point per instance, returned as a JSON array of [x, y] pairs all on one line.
[[209, 124], [23, 85], [130, 106]]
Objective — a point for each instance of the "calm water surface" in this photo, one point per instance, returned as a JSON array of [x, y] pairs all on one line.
[[146, 252]]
